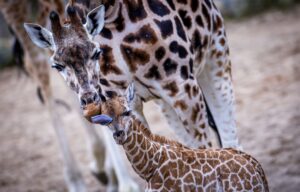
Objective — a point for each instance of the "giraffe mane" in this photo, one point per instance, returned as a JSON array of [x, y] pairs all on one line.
[[157, 138]]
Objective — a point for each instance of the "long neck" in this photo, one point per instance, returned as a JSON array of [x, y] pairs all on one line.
[[144, 149]]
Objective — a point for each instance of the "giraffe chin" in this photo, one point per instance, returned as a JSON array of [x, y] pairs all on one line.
[[91, 110], [120, 140]]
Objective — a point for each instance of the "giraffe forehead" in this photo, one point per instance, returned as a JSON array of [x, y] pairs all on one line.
[[114, 107], [74, 52]]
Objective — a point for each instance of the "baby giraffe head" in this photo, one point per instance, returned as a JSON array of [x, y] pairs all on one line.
[[75, 54], [116, 113]]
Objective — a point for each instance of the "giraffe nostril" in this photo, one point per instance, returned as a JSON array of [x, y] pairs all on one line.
[[118, 133], [96, 98], [83, 102]]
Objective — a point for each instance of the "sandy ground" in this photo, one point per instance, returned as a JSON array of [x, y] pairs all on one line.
[[266, 69]]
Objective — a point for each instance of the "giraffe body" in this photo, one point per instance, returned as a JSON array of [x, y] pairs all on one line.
[[175, 51], [167, 165]]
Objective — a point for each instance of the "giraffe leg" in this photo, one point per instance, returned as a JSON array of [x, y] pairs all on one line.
[[73, 176], [216, 83], [187, 101], [174, 122]]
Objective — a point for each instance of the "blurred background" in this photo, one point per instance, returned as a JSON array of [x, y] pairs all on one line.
[[264, 39]]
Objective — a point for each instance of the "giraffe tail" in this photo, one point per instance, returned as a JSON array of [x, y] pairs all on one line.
[[212, 122]]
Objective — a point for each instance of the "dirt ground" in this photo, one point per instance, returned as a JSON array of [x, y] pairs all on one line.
[[266, 68]]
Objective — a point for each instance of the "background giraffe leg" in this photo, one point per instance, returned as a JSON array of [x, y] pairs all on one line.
[[174, 122], [216, 83], [188, 104], [73, 176]]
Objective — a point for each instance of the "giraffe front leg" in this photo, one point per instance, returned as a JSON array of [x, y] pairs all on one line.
[[216, 82], [186, 99], [73, 176], [174, 121]]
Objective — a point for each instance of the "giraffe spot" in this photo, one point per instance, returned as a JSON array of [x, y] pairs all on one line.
[[186, 20], [240, 160], [199, 21], [189, 178], [104, 82], [111, 94], [194, 5], [179, 28], [206, 16], [191, 65], [135, 10], [235, 182], [172, 88], [195, 91], [180, 50], [145, 34], [198, 176], [182, 1], [187, 89], [158, 8], [222, 41], [153, 73], [233, 166], [196, 40], [244, 175], [121, 84], [208, 3], [206, 168], [166, 27], [195, 113], [247, 185], [181, 105], [160, 53], [120, 22], [134, 57], [107, 61], [217, 23], [171, 4], [106, 33], [170, 66]]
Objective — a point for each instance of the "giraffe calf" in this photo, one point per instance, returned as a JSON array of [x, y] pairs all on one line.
[[168, 165]]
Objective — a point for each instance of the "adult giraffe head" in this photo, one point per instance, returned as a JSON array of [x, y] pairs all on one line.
[[75, 54]]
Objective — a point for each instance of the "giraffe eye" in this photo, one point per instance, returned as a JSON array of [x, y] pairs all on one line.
[[96, 55], [126, 113], [57, 66]]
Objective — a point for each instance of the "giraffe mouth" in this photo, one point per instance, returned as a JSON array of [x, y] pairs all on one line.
[[91, 110]]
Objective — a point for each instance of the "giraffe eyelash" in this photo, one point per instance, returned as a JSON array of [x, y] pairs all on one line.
[[96, 55], [57, 66], [126, 113]]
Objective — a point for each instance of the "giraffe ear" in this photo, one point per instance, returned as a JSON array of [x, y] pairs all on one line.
[[95, 20], [130, 93], [39, 35]]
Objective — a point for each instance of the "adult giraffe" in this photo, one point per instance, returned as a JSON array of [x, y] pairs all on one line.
[[16, 12], [174, 51]]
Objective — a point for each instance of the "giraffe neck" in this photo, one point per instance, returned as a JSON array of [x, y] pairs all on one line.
[[144, 149]]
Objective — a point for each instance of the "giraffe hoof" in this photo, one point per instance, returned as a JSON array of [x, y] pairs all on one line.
[[102, 177]]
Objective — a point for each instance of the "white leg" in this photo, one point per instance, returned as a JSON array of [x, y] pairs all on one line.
[[216, 83], [73, 177], [175, 123]]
